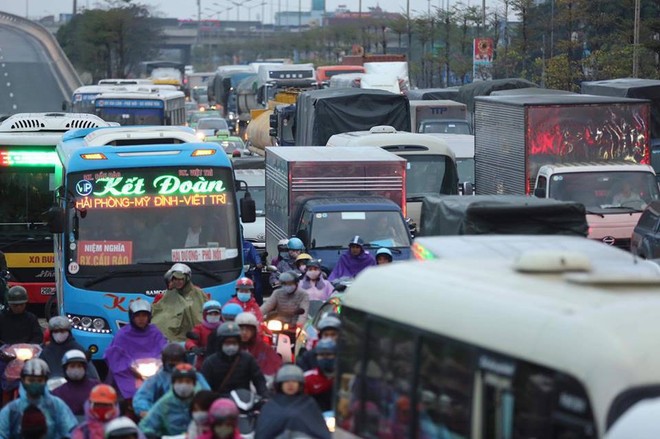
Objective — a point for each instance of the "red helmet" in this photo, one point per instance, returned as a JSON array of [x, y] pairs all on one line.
[[245, 283]]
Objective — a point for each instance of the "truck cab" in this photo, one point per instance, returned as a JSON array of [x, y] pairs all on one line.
[[614, 194], [327, 225]]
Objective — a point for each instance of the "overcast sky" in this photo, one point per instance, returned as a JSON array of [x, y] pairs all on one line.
[[186, 9]]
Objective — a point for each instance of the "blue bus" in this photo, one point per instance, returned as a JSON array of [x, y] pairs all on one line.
[[144, 105], [129, 200]]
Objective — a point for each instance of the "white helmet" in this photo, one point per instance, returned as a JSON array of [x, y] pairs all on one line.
[[183, 268], [35, 367], [74, 356], [121, 426], [247, 318]]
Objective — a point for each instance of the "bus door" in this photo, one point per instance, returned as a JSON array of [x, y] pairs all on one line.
[[493, 401]]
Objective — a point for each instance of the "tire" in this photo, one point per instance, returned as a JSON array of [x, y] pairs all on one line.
[[51, 308]]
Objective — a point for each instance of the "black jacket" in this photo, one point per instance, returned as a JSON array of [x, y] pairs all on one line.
[[298, 413], [247, 371], [20, 328], [307, 361], [53, 353]]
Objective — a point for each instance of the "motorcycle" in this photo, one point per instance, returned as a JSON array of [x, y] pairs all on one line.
[[15, 356], [282, 336], [248, 404], [145, 368]]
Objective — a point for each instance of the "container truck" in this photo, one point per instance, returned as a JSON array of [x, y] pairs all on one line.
[[325, 196], [580, 148], [441, 109]]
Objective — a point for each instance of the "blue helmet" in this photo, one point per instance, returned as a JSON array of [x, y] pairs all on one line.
[[211, 304], [326, 346], [384, 251], [231, 310], [295, 244]]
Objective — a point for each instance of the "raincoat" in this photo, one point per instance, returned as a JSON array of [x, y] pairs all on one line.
[[349, 265], [92, 428], [128, 345], [75, 394], [217, 366], [53, 353], [168, 417], [59, 419], [286, 305], [298, 413], [178, 311], [249, 306], [268, 360], [157, 386], [204, 330], [320, 289], [283, 265]]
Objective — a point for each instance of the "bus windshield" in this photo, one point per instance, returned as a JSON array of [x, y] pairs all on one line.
[[131, 116], [151, 216], [428, 175]]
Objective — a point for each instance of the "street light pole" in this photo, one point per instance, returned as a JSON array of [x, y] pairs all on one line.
[[635, 69]]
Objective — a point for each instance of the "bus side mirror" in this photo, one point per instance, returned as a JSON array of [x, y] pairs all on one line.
[[55, 219], [467, 188], [248, 209]]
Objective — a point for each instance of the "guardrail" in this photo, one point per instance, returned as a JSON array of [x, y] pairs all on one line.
[[67, 77]]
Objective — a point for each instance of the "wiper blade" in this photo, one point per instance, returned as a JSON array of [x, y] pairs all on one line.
[[591, 212], [209, 273], [110, 275], [329, 247]]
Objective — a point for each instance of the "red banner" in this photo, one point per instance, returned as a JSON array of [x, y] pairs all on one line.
[[105, 252]]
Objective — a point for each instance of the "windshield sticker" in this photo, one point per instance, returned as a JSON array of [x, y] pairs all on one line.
[[203, 254], [74, 268], [84, 188], [353, 216], [105, 253]]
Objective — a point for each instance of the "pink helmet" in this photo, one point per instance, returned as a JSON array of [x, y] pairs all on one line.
[[221, 410]]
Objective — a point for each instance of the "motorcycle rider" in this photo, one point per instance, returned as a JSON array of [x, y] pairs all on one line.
[[290, 409], [123, 428], [138, 340], [223, 420], [199, 412], [251, 257], [313, 282], [33, 392], [301, 263], [328, 328], [353, 261], [156, 386], [245, 298], [211, 319], [282, 251], [319, 381], [100, 409], [78, 385], [179, 309], [383, 256], [295, 247], [230, 368], [230, 311], [61, 342], [267, 359], [287, 300], [171, 413]]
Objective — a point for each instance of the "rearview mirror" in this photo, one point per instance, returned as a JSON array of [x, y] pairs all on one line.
[[467, 188], [539, 192], [55, 219], [248, 209]]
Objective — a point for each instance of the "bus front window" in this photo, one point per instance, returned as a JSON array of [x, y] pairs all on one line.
[[429, 175], [131, 116]]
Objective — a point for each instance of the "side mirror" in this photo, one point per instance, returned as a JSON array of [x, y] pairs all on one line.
[[467, 188], [272, 132], [302, 235], [55, 219], [248, 209], [539, 192]]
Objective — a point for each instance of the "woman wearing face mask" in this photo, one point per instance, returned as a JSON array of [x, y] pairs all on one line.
[[171, 414], [78, 385], [100, 409], [287, 300], [61, 342], [245, 297], [211, 319], [199, 411], [222, 420], [313, 282]]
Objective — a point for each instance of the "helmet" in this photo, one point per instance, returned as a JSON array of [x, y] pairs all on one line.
[[210, 305], [247, 318], [290, 372], [288, 276], [137, 306], [245, 283], [222, 409], [295, 244], [103, 394], [329, 322], [384, 251], [282, 245], [228, 330], [303, 257], [180, 271], [73, 356], [231, 310], [173, 352], [314, 263], [356, 240], [17, 295], [184, 370], [35, 367], [167, 277], [121, 426], [59, 323], [326, 346]]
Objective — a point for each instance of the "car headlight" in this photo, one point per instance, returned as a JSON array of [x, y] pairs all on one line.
[[89, 324]]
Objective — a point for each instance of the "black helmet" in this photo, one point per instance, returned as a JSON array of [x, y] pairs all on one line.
[[173, 353], [184, 370], [228, 330], [288, 276], [17, 295]]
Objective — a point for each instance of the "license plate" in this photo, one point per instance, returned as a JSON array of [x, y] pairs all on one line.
[[47, 291]]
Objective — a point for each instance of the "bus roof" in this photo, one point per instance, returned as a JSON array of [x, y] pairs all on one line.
[[44, 128], [384, 136], [598, 326]]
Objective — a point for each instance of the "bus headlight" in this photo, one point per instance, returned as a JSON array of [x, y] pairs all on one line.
[[93, 324]]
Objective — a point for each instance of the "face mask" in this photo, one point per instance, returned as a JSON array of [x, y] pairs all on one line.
[[288, 289], [103, 413], [35, 389], [244, 297], [60, 337], [200, 418], [230, 350], [183, 390], [327, 365], [75, 373], [223, 431], [210, 318], [313, 274]]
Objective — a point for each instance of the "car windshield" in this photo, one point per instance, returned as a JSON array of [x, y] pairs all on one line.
[[427, 175], [376, 228], [195, 117], [231, 145], [444, 127], [606, 189], [212, 124]]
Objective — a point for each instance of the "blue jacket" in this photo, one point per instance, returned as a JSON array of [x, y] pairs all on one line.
[[158, 385], [170, 416], [59, 418]]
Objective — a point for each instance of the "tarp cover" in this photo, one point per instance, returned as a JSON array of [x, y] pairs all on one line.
[[432, 94], [324, 113], [501, 214], [467, 93]]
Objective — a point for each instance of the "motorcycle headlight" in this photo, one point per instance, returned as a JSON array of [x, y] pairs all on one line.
[[274, 325]]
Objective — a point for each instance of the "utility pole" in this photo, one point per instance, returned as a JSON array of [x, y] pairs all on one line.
[[483, 16], [75, 7], [409, 33], [199, 11], [635, 69]]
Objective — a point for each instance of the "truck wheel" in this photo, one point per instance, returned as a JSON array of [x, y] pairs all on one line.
[[51, 309]]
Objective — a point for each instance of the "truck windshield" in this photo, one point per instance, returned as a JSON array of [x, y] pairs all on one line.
[[605, 189], [129, 217], [429, 174], [444, 127], [377, 228]]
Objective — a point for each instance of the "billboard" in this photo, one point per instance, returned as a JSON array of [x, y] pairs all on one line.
[[482, 59]]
